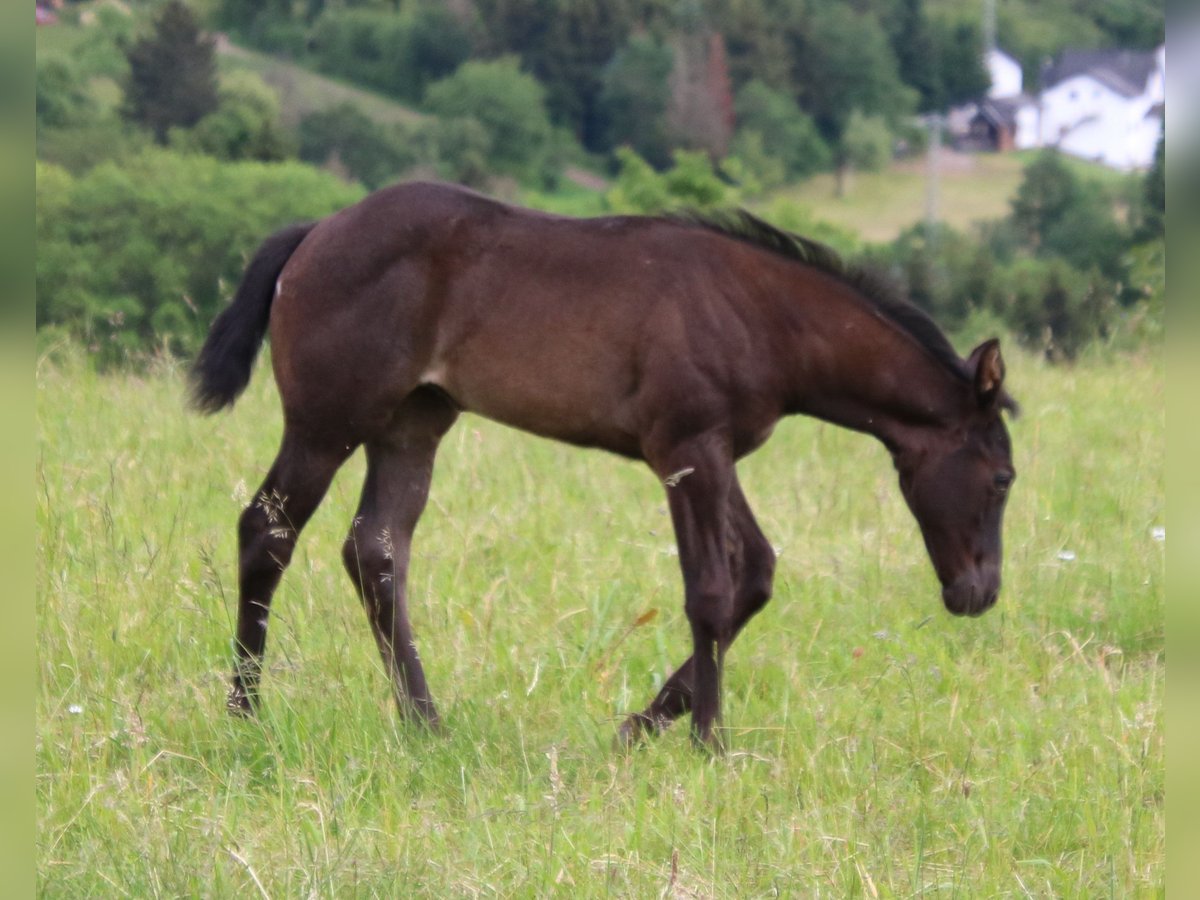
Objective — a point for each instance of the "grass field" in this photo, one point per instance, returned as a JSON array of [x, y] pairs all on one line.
[[972, 188], [879, 747], [302, 91]]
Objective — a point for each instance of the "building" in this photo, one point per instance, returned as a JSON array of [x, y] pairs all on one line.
[[1104, 105], [1101, 105]]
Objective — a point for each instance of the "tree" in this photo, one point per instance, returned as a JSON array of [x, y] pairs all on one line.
[[344, 135], [963, 74], [784, 131], [866, 145], [1154, 195], [700, 110], [635, 94], [1057, 214], [917, 56], [509, 104], [397, 54], [172, 74], [566, 45], [843, 62], [246, 124], [62, 97]]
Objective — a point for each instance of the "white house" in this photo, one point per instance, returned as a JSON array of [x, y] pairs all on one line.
[[1104, 105], [1006, 119], [1005, 72]]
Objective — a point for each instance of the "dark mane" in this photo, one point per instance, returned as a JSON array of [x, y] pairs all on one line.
[[872, 285]]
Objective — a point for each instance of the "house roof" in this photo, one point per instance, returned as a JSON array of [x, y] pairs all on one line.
[[1003, 110], [1125, 71]]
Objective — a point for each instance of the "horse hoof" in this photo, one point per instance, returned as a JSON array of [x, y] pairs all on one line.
[[636, 729], [238, 705], [710, 743]]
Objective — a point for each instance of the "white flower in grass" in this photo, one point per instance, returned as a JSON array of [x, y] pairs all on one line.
[[74, 709], [1066, 555], [1158, 533]]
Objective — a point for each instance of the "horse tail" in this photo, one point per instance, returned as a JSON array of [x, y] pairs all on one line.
[[222, 370]]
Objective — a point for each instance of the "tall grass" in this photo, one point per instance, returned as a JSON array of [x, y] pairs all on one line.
[[879, 747]]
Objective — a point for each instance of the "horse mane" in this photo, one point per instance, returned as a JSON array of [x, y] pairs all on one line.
[[880, 291]]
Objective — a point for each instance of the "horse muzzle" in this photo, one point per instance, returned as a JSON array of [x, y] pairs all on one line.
[[972, 593]]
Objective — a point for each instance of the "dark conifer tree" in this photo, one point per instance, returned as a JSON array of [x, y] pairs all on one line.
[[172, 74]]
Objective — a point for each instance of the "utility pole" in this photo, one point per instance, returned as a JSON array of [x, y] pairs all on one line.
[[989, 25], [932, 185]]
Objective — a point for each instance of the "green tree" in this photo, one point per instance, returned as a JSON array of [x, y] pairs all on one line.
[[1057, 214], [172, 74], [245, 124], [62, 96], [397, 54], [566, 45], [1154, 195], [959, 51], [1055, 308], [917, 55], [786, 132], [843, 62], [344, 136], [635, 95], [509, 104]]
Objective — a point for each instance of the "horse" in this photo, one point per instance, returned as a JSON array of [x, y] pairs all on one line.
[[678, 341]]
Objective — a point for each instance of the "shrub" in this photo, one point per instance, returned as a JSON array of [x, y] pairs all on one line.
[[510, 106], [787, 134], [397, 54], [140, 255]]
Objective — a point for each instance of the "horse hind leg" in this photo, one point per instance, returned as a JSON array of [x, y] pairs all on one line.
[[376, 552], [267, 532], [752, 562]]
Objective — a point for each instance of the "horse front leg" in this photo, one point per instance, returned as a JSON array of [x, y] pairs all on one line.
[[752, 563], [699, 477]]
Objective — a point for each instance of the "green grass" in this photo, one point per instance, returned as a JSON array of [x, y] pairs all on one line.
[[879, 205], [879, 747], [972, 188]]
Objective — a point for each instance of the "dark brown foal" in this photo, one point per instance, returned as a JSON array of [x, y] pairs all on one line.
[[676, 342]]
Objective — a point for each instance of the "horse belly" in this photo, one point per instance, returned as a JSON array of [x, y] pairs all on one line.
[[558, 391]]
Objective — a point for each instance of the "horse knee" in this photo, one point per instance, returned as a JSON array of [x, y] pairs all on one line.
[[758, 576], [710, 608]]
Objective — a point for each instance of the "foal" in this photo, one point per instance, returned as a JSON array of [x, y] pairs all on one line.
[[678, 342]]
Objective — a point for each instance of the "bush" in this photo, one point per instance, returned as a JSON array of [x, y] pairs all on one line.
[[634, 94], [1055, 213], [690, 183], [245, 124], [1054, 308], [140, 256], [62, 96], [866, 142], [371, 153], [787, 134], [397, 54], [510, 106]]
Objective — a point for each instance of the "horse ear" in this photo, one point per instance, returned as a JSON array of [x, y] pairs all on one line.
[[986, 366]]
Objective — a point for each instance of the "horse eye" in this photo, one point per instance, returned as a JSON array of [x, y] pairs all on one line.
[[1003, 481]]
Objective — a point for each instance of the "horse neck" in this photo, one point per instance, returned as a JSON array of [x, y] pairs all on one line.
[[865, 373]]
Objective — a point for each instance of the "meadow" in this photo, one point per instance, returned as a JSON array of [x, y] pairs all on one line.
[[878, 747]]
